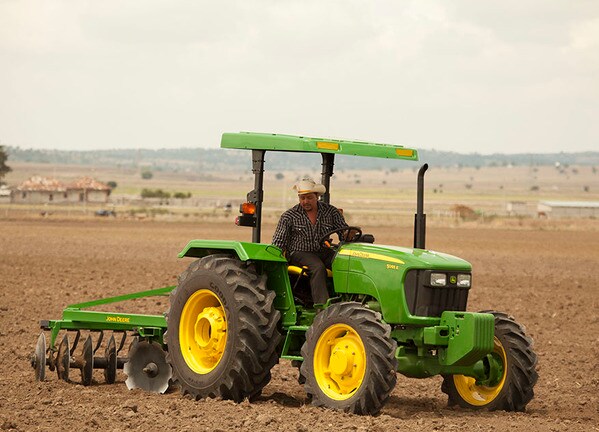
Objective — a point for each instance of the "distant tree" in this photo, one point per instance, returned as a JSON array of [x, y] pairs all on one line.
[[146, 175], [112, 184], [154, 193], [4, 169], [279, 176], [182, 195]]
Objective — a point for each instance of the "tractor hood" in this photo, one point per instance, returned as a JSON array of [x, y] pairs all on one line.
[[382, 271], [404, 257]]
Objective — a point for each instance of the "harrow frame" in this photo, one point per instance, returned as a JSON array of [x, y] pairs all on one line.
[[74, 317], [148, 331]]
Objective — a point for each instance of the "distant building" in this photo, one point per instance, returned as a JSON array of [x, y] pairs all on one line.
[[42, 190], [89, 190], [517, 208], [4, 194], [568, 209], [39, 190]]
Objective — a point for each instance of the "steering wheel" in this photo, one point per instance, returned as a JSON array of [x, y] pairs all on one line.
[[352, 234]]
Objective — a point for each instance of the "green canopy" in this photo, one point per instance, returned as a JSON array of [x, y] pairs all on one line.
[[277, 142]]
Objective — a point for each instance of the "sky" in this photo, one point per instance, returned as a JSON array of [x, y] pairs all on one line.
[[469, 76]]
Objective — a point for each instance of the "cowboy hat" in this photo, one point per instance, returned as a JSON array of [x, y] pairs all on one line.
[[307, 185]]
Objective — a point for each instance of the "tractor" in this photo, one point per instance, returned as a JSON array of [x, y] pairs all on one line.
[[239, 308]]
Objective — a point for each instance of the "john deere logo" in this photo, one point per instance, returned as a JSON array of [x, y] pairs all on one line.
[[453, 279], [118, 319]]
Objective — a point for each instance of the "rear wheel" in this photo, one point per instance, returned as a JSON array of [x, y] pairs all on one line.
[[222, 330], [349, 359], [511, 372]]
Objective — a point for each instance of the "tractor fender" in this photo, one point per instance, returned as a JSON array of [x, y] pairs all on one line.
[[243, 250], [275, 265]]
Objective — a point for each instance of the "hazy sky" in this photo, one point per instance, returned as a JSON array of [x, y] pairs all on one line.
[[460, 75]]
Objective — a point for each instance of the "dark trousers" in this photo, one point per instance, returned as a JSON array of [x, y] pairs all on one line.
[[317, 263]]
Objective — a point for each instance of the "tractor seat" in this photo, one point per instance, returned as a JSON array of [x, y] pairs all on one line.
[[301, 271]]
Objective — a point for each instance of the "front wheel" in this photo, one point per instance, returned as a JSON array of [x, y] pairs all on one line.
[[222, 330], [510, 369], [349, 359]]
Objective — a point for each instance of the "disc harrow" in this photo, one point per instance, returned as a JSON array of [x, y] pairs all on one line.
[[144, 362]]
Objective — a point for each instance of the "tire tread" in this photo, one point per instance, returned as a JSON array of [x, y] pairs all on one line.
[[254, 353]]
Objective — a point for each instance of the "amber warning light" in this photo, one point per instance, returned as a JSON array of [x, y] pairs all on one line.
[[248, 215], [248, 208]]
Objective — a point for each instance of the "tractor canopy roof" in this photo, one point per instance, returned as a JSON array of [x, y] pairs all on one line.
[[291, 143]]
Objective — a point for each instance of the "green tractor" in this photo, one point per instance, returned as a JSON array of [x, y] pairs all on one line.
[[237, 310]]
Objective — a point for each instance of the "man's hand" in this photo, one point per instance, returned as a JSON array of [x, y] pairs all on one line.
[[351, 234]]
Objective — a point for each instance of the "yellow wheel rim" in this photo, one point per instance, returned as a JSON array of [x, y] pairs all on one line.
[[480, 395], [203, 331], [339, 362]]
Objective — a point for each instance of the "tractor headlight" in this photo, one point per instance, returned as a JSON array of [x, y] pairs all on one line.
[[438, 279], [464, 280]]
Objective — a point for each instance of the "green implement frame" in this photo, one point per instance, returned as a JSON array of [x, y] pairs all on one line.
[[74, 317]]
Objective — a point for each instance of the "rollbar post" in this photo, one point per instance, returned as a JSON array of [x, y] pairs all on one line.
[[328, 161], [256, 196], [420, 216]]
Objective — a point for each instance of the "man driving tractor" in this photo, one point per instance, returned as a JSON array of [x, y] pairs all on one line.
[[300, 229]]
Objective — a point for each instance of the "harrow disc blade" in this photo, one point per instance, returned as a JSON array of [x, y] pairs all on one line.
[[147, 368], [111, 361], [38, 359], [63, 359], [87, 366]]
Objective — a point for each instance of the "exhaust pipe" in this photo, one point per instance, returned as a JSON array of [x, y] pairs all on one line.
[[420, 217]]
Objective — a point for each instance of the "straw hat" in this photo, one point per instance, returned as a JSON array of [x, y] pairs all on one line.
[[307, 185]]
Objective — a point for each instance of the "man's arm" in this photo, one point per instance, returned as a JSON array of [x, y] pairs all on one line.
[[339, 222], [281, 236], [338, 219]]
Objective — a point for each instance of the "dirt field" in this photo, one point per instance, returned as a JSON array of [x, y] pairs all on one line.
[[547, 279]]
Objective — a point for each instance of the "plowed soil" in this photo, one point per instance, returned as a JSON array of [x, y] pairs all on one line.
[[547, 279]]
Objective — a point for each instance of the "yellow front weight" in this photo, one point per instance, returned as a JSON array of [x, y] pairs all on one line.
[[339, 362], [480, 395], [203, 331]]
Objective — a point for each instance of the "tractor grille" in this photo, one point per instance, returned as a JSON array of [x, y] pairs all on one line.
[[425, 300]]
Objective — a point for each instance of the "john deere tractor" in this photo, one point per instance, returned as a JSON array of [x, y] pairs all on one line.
[[239, 307]]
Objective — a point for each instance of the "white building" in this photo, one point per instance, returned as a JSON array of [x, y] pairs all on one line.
[[568, 209], [42, 190], [89, 190], [4, 194], [518, 208], [39, 190]]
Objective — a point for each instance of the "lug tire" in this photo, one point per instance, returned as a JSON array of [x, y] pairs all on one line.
[[248, 345], [374, 376], [515, 389]]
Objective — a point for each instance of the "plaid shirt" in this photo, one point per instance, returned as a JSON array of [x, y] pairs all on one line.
[[295, 232]]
